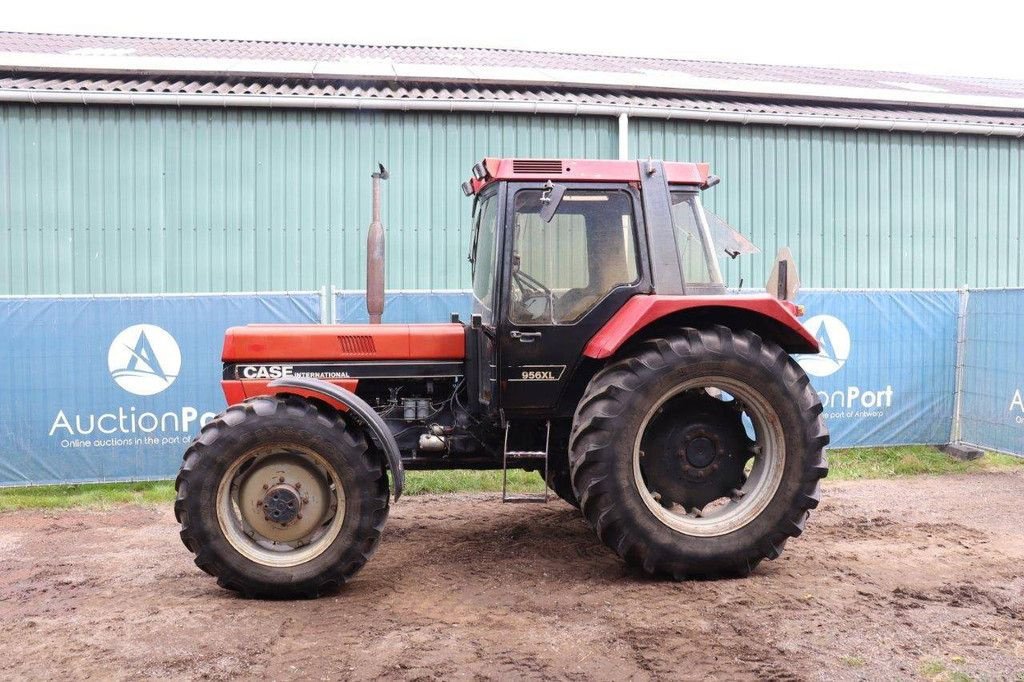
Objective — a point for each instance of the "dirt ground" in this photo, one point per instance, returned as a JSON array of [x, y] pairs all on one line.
[[893, 579]]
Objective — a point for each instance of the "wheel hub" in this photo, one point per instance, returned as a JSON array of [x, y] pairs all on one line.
[[700, 451], [284, 498], [694, 451], [741, 480], [282, 504]]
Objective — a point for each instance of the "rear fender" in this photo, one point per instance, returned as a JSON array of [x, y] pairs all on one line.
[[339, 398], [763, 314]]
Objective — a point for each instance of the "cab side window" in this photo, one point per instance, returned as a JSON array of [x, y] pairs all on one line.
[[563, 268]]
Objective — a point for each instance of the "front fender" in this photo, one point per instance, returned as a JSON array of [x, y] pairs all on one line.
[[340, 398]]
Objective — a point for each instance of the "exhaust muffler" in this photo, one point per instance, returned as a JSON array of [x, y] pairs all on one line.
[[375, 254]]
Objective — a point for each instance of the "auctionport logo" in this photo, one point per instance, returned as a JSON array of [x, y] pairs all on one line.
[[1017, 406], [850, 401], [834, 339], [144, 359]]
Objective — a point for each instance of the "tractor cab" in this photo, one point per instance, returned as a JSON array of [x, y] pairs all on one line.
[[560, 246]]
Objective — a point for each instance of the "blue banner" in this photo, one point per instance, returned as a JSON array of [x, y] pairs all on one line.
[[105, 389], [992, 397], [885, 373]]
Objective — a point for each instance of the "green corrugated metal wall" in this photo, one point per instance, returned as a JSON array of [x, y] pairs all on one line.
[[156, 199], [860, 208]]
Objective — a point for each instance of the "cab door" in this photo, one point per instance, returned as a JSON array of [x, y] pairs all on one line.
[[562, 280]]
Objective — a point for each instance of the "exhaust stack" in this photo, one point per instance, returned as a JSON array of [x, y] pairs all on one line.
[[375, 254]]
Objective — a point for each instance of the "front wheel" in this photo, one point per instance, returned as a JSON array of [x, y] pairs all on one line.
[[699, 454], [279, 497]]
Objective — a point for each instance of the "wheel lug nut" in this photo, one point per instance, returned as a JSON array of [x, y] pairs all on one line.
[[298, 486], [281, 479], [259, 503], [266, 487]]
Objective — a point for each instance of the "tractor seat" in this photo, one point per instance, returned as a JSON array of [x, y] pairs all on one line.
[[574, 303]]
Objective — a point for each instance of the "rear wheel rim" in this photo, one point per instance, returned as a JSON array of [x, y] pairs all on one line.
[[764, 459], [281, 505]]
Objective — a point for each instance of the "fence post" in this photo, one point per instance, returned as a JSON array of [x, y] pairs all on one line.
[[325, 305], [963, 295]]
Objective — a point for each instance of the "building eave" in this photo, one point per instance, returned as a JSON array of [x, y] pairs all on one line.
[[495, 106]]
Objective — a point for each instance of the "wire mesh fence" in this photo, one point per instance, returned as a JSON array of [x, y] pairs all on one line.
[[991, 401]]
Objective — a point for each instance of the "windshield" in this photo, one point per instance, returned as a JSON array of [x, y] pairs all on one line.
[[483, 256]]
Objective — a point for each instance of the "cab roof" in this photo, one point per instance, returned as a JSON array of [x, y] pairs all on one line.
[[579, 170]]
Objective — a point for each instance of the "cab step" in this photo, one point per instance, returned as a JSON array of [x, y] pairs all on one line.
[[535, 455]]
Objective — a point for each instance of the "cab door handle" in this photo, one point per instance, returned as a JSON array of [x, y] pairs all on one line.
[[524, 337]]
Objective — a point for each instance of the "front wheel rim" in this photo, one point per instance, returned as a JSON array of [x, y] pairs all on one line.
[[762, 480], [280, 505]]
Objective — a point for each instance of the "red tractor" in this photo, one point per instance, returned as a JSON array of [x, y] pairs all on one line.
[[603, 350]]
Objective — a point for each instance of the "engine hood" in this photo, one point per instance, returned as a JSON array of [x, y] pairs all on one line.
[[302, 342]]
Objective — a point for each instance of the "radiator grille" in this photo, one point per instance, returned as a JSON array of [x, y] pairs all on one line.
[[352, 343], [552, 166]]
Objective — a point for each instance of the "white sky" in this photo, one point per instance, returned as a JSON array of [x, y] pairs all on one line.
[[979, 38]]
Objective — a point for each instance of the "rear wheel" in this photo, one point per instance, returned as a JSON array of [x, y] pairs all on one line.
[[699, 454], [278, 497]]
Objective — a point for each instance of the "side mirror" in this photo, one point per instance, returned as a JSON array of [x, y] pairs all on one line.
[[550, 200]]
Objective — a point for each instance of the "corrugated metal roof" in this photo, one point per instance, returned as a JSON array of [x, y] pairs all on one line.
[[98, 54], [262, 51], [319, 72], [441, 92]]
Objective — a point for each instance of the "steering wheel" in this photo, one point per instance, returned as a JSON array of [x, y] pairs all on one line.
[[530, 285], [535, 299]]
